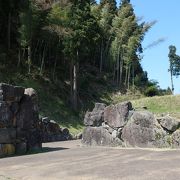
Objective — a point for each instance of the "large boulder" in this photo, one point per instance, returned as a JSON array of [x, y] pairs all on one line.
[[6, 116], [96, 117], [176, 139], [169, 123], [7, 135], [11, 93], [7, 149], [94, 136], [99, 136], [117, 115], [143, 130], [28, 115]]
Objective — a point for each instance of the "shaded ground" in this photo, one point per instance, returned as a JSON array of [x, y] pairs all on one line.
[[69, 160]]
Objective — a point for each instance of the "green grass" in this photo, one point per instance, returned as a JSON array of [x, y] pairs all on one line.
[[160, 104]]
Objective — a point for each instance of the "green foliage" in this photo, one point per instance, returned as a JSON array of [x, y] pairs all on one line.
[[151, 91], [174, 61], [95, 46]]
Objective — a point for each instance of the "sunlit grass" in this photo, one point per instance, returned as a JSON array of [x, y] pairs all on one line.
[[160, 104]]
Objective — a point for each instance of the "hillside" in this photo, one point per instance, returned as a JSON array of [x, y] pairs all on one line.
[[160, 105], [54, 96]]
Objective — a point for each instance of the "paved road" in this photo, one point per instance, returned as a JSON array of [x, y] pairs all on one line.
[[69, 160]]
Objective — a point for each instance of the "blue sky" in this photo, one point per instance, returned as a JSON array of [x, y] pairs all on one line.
[[167, 14]]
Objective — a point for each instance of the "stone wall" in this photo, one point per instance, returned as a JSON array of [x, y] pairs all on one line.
[[19, 121], [21, 130], [120, 125]]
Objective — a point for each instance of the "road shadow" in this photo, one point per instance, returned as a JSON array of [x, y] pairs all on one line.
[[33, 152], [51, 149]]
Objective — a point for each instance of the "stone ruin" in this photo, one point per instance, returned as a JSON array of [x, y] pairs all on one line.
[[121, 125], [21, 130]]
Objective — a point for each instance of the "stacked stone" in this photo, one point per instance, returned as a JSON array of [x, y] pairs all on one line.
[[51, 131], [104, 124], [19, 123], [120, 125]]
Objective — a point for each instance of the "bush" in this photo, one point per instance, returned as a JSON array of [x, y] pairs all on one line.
[[151, 91]]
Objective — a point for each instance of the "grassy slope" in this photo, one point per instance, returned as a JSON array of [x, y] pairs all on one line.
[[160, 104], [54, 96], [54, 104]]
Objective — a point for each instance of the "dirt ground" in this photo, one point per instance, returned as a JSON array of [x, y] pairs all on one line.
[[70, 160]]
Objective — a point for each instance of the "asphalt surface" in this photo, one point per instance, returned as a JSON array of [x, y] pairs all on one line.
[[70, 160]]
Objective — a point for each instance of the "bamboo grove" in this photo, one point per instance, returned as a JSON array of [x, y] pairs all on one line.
[[59, 38]]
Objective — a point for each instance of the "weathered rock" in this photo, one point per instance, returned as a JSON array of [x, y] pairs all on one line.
[[99, 107], [66, 134], [110, 129], [28, 115], [176, 139], [95, 118], [11, 93], [116, 115], [14, 107], [169, 123], [21, 148], [34, 140], [7, 150], [143, 130], [53, 127], [79, 135], [52, 132], [45, 120], [7, 135], [94, 136], [6, 116]]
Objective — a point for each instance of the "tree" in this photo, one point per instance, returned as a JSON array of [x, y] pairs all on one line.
[[9, 23], [78, 44], [30, 21], [174, 67], [110, 3], [126, 47], [107, 13]]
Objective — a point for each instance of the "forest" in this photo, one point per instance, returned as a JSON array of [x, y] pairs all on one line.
[[73, 46]]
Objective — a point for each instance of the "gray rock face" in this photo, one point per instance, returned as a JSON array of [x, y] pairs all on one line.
[[19, 121], [94, 136], [176, 139], [143, 130], [95, 118], [116, 115], [120, 125], [11, 93], [6, 116], [7, 135], [169, 123], [52, 132]]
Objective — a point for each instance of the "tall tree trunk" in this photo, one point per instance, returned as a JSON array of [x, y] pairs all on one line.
[[71, 79], [43, 59], [29, 59], [19, 57], [121, 71], [9, 31], [101, 61], [126, 76], [129, 74], [75, 86], [114, 72], [54, 69], [133, 78], [118, 67], [172, 84]]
